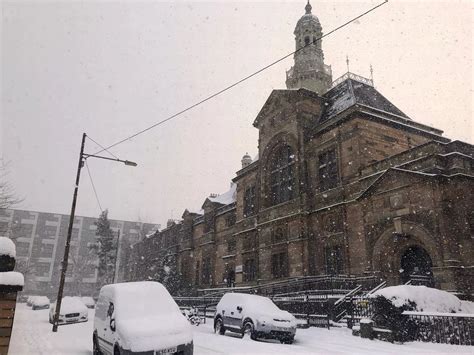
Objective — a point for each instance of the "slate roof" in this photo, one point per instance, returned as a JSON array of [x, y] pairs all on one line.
[[351, 92]]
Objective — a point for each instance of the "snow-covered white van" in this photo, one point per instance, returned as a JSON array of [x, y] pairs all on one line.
[[255, 315], [139, 318]]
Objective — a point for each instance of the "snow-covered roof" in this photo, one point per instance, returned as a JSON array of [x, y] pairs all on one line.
[[227, 197], [12, 278], [200, 211], [427, 299], [351, 92], [7, 247]]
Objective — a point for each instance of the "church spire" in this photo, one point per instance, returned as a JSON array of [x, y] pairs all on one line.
[[309, 70]]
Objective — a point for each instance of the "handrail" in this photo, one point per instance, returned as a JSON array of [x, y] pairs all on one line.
[[378, 287], [350, 293]]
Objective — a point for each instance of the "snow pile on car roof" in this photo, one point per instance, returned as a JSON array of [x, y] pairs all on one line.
[[252, 304], [425, 298], [7, 247], [147, 317]]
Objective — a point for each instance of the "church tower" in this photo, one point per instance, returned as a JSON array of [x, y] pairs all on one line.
[[309, 70]]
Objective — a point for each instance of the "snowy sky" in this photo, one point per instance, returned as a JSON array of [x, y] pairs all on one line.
[[113, 68]]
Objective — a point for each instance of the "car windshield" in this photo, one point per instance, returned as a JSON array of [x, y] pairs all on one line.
[[260, 304]]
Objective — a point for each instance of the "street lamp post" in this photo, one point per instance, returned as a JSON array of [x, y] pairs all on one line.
[[82, 157]]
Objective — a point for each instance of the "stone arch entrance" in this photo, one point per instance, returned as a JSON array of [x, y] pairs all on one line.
[[415, 263], [414, 247]]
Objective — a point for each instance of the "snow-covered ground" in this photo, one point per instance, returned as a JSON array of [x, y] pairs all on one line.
[[32, 335]]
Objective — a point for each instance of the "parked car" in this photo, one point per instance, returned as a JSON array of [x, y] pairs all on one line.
[[39, 302], [88, 301], [29, 300], [254, 315], [72, 311], [22, 298], [139, 318]]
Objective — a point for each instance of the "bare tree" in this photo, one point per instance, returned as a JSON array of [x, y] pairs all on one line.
[[82, 263], [8, 196]]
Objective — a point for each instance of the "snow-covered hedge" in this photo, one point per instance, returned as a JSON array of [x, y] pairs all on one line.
[[8, 277], [389, 304], [7, 247], [422, 299]]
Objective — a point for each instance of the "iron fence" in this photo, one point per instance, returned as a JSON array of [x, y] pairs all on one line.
[[447, 328]]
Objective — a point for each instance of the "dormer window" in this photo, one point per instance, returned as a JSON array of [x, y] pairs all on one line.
[[282, 182]]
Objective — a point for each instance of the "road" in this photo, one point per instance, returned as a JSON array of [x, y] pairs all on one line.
[[32, 335]]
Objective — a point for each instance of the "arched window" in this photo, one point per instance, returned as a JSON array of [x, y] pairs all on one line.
[[282, 169]]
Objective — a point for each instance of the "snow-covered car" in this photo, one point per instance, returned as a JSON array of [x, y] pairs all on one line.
[[72, 311], [254, 315], [140, 318], [22, 298], [88, 301], [29, 300], [39, 302]]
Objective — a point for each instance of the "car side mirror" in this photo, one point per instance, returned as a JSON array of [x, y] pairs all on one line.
[[239, 308], [112, 324]]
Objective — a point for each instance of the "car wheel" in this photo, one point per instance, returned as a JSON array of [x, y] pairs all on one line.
[[249, 330], [287, 341], [219, 327], [95, 346]]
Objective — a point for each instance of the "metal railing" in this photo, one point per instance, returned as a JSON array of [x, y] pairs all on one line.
[[353, 76], [447, 328], [328, 284]]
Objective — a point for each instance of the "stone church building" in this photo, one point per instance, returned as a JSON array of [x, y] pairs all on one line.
[[344, 183]]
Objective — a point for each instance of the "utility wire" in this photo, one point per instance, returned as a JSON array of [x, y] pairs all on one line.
[[103, 149], [93, 186], [240, 81]]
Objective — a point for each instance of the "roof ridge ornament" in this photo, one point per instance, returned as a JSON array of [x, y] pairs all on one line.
[[308, 8]]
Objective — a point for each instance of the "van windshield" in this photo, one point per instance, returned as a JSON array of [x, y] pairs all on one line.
[[140, 303]]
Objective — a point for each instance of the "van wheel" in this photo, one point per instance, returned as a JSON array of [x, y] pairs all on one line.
[[95, 346], [219, 327], [249, 330], [116, 350]]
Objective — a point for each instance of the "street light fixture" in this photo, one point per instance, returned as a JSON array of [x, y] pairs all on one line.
[[82, 157]]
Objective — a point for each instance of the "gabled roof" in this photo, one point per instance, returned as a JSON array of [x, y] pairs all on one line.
[[391, 172], [351, 92], [277, 96], [227, 197]]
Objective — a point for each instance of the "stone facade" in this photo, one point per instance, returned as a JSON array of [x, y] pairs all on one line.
[[344, 183]]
